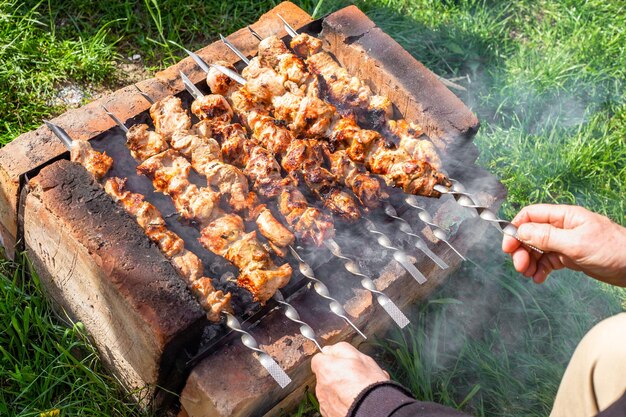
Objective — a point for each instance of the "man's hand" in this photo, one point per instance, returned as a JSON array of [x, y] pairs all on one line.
[[572, 237], [342, 373]]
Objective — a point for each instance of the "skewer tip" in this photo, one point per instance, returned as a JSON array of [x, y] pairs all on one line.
[[254, 33], [144, 95], [290, 30], [60, 133]]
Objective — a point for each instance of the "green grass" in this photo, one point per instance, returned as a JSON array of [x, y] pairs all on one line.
[[546, 78], [47, 366]]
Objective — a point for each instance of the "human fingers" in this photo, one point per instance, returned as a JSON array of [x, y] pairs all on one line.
[[509, 244], [548, 263], [521, 260], [545, 236], [554, 214], [341, 350], [317, 362], [543, 270]]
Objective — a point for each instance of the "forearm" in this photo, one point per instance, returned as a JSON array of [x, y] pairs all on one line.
[[388, 399]]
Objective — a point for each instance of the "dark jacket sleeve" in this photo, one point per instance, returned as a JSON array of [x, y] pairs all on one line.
[[617, 409], [389, 399]]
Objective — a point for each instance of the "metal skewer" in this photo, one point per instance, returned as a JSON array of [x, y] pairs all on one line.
[[290, 30], [254, 33], [115, 119], [439, 232], [465, 199], [406, 228], [398, 254], [321, 288], [366, 282], [292, 314], [279, 375], [240, 54], [146, 96], [60, 133]]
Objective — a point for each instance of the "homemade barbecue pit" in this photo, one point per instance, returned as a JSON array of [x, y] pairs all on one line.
[[214, 234]]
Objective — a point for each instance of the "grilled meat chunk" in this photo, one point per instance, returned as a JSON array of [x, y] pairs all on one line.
[[269, 49], [225, 236], [305, 45], [144, 143], [304, 158], [213, 107], [366, 188], [169, 174], [169, 116], [220, 83], [414, 142], [98, 164]]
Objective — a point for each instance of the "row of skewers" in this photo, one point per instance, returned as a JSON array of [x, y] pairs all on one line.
[[293, 111]]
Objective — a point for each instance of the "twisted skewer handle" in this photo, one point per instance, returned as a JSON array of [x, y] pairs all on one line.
[[321, 289], [366, 282], [398, 254], [465, 199], [265, 360], [292, 314], [406, 228], [439, 232]]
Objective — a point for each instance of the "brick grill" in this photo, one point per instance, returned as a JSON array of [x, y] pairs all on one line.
[[99, 267]]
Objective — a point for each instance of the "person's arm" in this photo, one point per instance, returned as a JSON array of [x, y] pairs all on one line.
[[571, 237], [351, 384]]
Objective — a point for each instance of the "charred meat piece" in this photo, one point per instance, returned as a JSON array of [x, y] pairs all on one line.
[[225, 236], [366, 188], [414, 142], [304, 158]]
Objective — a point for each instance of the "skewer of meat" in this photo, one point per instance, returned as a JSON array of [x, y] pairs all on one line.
[[263, 170], [352, 95], [368, 147], [203, 152], [186, 263], [221, 233]]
